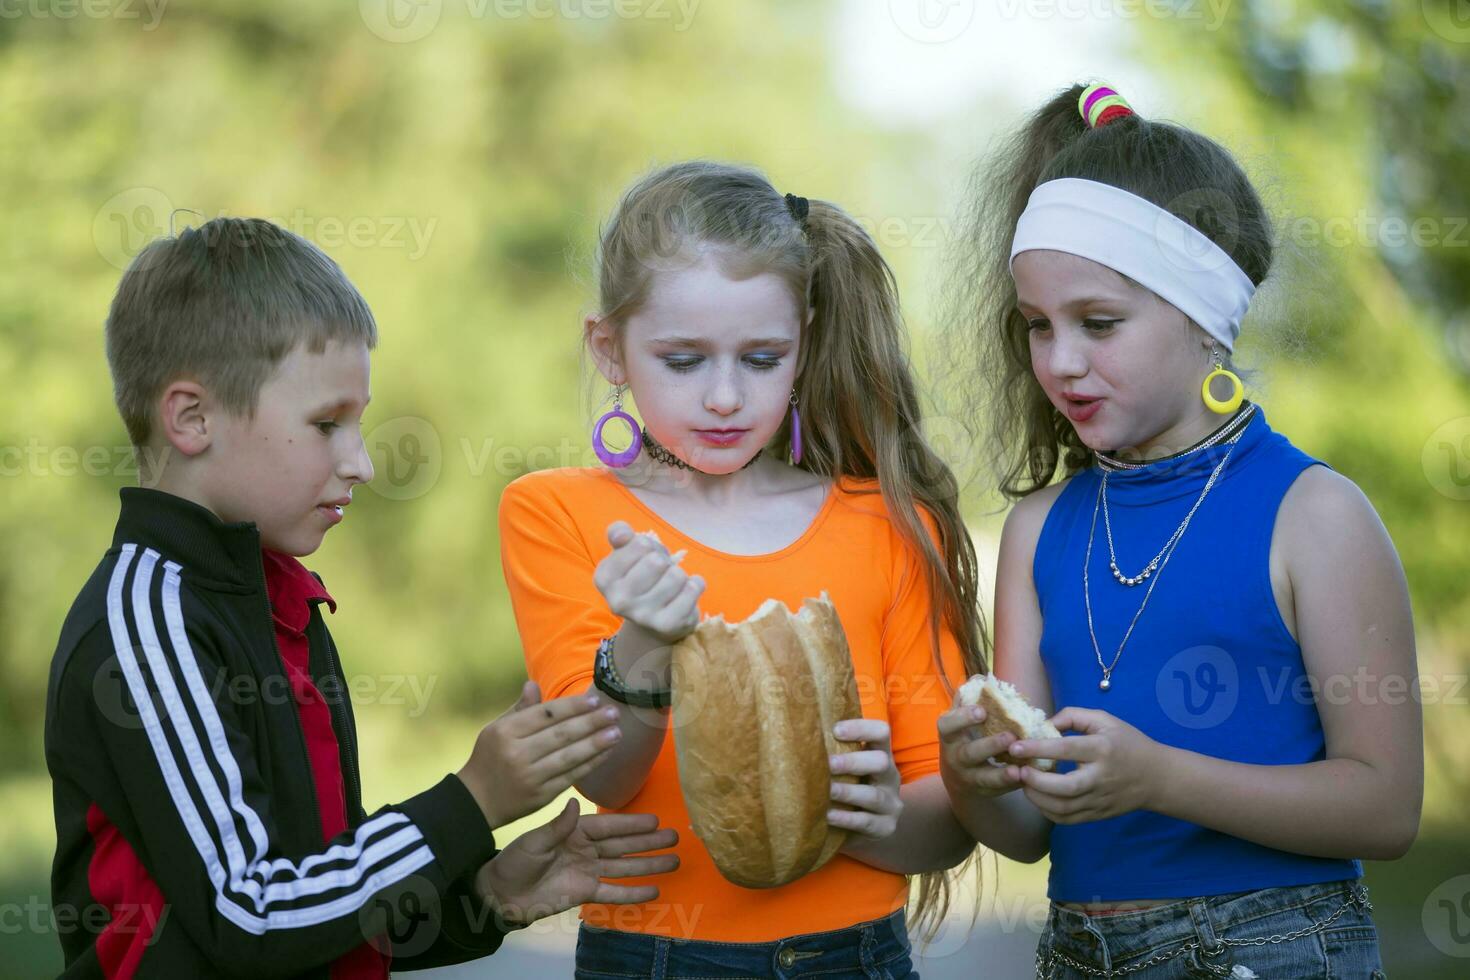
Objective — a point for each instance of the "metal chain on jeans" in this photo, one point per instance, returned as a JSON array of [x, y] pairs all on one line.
[[1094, 971], [1358, 897]]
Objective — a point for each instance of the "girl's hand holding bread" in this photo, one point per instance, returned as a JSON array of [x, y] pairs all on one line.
[[975, 736], [875, 800]]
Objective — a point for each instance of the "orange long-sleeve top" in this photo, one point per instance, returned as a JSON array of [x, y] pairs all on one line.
[[553, 533]]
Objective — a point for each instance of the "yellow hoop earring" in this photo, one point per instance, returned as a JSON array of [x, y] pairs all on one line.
[[1237, 394]]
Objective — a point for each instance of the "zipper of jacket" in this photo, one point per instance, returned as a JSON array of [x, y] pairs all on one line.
[[270, 622], [334, 664]]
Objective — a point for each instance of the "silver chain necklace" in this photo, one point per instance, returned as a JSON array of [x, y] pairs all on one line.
[[1228, 431], [1162, 559], [1238, 421]]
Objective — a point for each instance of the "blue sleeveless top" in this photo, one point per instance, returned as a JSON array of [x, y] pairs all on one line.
[[1210, 667]]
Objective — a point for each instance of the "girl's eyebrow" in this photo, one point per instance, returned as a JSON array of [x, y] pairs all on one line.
[[698, 344], [1081, 301], [1075, 303]]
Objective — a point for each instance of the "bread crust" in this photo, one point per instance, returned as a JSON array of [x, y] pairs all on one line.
[[984, 690], [753, 708]]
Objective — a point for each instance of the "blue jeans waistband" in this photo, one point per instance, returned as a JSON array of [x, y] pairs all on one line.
[[1106, 941], [878, 949]]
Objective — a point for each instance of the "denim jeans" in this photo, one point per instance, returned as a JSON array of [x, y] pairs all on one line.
[[877, 950], [1298, 932]]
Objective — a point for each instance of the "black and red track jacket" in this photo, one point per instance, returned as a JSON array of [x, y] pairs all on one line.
[[188, 842]]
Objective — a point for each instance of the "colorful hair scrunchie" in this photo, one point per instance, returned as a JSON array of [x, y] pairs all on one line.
[[1100, 105]]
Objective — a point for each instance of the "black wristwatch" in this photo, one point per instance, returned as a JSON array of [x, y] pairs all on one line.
[[605, 676]]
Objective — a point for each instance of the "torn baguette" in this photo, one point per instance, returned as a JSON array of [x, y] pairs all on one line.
[[754, 703], [1007, 710]]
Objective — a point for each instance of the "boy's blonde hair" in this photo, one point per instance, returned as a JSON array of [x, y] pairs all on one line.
[[223, 304]]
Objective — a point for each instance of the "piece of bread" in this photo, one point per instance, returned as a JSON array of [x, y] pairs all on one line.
[[753, 708], [1007, 710]]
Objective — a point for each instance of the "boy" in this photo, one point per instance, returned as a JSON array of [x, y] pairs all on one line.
[[199, 737]]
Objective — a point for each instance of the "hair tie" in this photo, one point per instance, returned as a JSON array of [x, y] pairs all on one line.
[[1101, 105], [799, 207]]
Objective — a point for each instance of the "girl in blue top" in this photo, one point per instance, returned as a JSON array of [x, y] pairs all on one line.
[[1216, 613]]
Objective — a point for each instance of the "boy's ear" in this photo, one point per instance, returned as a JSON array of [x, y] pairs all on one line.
[[183, 419], [602, 341]]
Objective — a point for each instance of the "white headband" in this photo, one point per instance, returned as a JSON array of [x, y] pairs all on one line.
[[1144, 242]]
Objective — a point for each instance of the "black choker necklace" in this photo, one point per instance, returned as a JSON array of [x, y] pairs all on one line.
[[662, 455], [1237, 422]]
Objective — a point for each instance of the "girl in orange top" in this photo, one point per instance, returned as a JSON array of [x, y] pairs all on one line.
[[750, 329]]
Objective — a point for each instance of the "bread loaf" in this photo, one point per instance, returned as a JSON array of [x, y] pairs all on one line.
[[753, 708], [1007, 710]]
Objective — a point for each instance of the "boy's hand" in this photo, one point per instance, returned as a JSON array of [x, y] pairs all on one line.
[[525, 758], [964, 755], [876, 798], [559, 864], [644, 584]]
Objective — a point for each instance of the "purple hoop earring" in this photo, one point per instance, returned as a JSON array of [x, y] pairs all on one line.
[[617, 460], [795, 432]]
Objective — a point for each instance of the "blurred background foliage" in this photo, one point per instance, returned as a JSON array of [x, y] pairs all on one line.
[[459, 173]]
